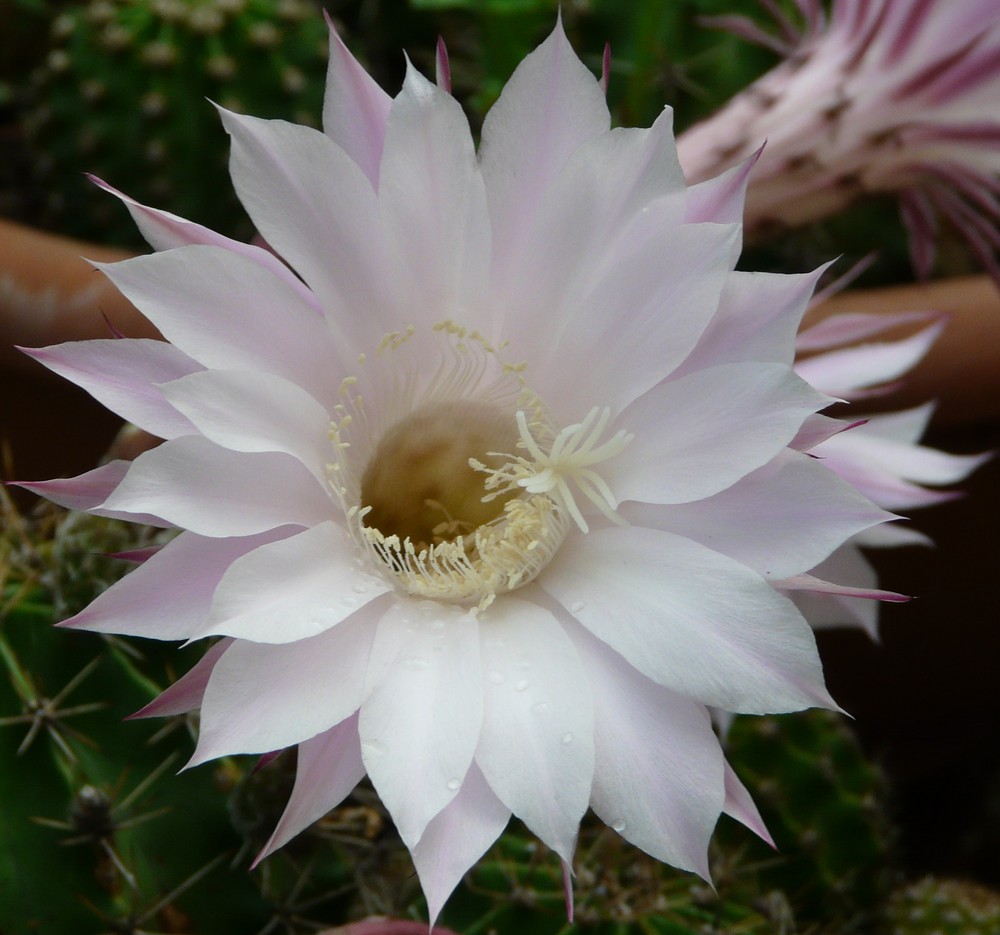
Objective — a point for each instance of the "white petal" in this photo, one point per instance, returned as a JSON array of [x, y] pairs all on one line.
[[123, 374], [329, 766], [456, 838], [779, 520], [699, 434], [550, 106], [355, 108], [165, 231], [851, 327], [758, 319], [615, 203], [187, 692], [195, 484], [292, 589], [652, 267], [423, 710], [88, 490], [824, 611], [281, 170], [537, 745], [247, 410], [689, 618], [720, 199], [263, 697], [433, 204], [740, 805], [168, 596], [227, 311], [658, 776], [843, 372]]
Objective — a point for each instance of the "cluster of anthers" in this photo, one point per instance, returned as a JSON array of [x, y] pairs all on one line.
[[445, 515]]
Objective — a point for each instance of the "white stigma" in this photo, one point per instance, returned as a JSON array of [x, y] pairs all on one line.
[[569, 463]]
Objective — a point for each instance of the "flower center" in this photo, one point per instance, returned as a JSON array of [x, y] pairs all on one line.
[[419, 484], [456, 484]]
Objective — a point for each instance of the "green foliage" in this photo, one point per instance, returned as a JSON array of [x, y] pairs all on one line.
[[822, 800], [124, 93], [930, 906]]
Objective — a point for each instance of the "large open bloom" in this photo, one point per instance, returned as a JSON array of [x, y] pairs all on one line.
[[888, 96], [491, 490]]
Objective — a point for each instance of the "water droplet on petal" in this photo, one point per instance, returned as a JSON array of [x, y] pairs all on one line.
[[437, 625], [496, 678], [373, 747], [567, 737], [540, 706], [454, 784], [577, 607], [415, 662], [618, 825], [348, 601], [522, 685], [361, 587]]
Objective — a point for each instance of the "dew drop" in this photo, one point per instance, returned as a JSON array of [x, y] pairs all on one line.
[[618, 825], [360, 588], [348, 601], [577, 607], [567, 737], [524, 664], [415, 662], [496, 677], [522, 685], [540, 706], [374, 747], [454, 784], [437, 625]]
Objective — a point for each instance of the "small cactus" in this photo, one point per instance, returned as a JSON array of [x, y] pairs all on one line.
[[122, 94], [943, 907], [822, 802]]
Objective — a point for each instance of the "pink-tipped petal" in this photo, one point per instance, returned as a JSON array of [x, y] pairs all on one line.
[[537, 744], [550, 106], [691, 619], [780, 520], [165, 231], [262, 697], [89, 490], [658, 775], [292, 589], [720, 199], [433, 204], [355, 108], [423, 710], [456, 838], [147, 601], [442, 67], [336, 243], [123, 375], [187, 692], [245, 410], [329, 767], [195, 484], [741, 806], [257, 321], [751, 411]]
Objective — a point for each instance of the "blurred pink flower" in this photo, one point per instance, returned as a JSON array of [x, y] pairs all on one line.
[[881, 455], [488, 497], [885, 96]]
